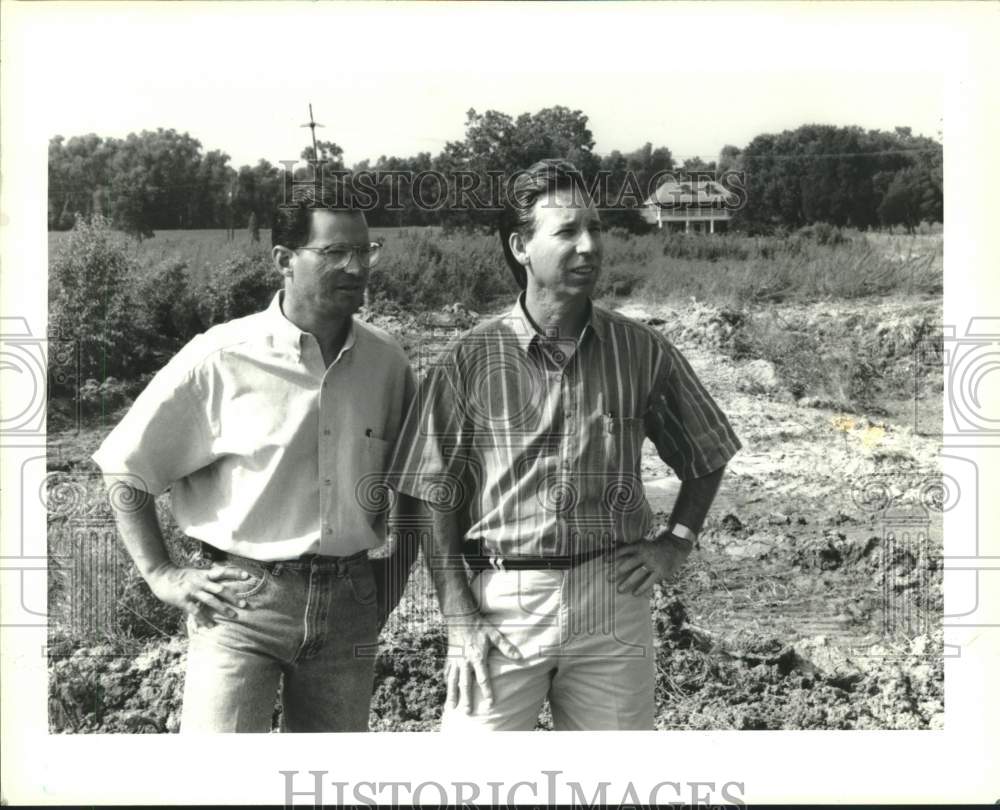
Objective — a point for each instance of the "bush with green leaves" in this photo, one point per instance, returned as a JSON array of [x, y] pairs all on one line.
[[92, 300], [823, 233], [435, 270], [166, 307], [245, 283], [108, 396]]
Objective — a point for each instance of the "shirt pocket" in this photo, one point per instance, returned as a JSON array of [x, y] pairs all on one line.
[[621, 490], [376, 452], [372, 490], [622, 441]]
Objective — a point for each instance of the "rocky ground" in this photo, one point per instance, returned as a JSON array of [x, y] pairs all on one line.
[[814, 600]]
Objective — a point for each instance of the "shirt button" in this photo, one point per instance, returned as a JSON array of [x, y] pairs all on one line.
[[326, 431], [327, 481]]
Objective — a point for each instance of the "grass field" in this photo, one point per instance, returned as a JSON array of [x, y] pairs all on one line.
[[203, 250], [425, 267]]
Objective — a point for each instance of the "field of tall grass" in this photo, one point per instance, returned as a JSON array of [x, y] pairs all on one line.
[[132, 305], [428, 268]]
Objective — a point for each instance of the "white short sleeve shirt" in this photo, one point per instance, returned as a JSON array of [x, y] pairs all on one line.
[[267, 452]]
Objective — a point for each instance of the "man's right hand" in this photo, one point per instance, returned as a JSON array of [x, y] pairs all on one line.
[[474, 636], [198, 591]]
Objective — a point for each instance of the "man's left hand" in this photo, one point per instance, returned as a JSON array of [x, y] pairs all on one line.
[[638, 566]]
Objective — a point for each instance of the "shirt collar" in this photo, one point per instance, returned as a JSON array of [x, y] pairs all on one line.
[[286, 336], [525, 331]]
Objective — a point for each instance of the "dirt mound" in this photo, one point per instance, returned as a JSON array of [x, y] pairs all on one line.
[[704, 681], [454, 316], [710, 327], [843, 354], [756, 681], [692, 324], [833, 549], [409, 682], [105, 689]]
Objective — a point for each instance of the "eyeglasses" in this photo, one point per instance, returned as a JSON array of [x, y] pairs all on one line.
[[340, 256]]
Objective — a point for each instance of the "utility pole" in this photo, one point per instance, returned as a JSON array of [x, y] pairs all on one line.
[[312, 128]]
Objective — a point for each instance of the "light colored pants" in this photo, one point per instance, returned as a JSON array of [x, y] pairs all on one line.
[[315, 622], [586, 647]]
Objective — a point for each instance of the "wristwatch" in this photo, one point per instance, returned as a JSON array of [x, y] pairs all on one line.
[[682, 535]]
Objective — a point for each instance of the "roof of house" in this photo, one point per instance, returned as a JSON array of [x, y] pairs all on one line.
[[688, 193]]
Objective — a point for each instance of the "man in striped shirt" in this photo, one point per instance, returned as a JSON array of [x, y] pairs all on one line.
[[525, 439]]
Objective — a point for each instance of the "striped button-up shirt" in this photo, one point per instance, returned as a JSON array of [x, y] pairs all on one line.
[[268, 452], [537, 441]]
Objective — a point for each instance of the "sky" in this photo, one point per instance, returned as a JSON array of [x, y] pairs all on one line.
[[397, 79]]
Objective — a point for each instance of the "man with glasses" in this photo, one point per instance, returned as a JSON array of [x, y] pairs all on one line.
[[272, 432]]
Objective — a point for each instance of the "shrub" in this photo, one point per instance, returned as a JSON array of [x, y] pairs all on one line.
[[129, 318], [242, 285], [166, 308], [434, 270], [625, 222], [708, 248], [110, 395], [620, 280], [92, 300], [823, 233]]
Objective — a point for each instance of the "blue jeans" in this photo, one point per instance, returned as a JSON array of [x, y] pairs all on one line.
[[315, 622]]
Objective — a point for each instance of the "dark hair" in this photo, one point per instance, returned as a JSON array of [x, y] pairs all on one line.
[[291, 222], [543, 177]]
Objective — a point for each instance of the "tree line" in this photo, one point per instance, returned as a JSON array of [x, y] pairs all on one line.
[[845, 176]]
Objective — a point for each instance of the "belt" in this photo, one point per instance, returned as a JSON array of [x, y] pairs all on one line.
[[214, 554], [557, 562]]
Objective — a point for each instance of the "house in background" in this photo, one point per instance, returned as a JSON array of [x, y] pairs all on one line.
[[697, 205]]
